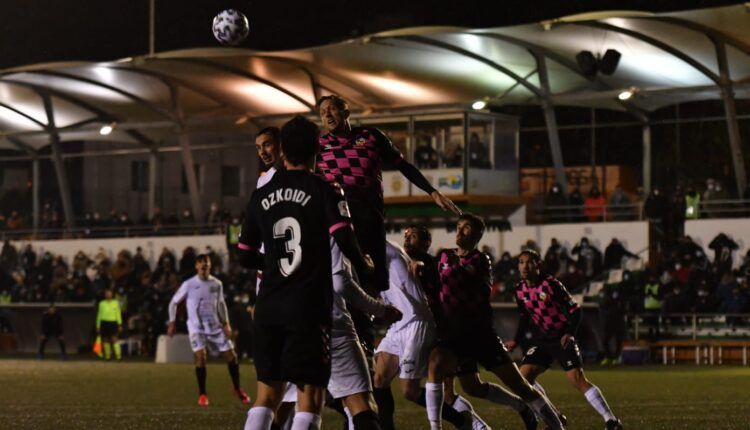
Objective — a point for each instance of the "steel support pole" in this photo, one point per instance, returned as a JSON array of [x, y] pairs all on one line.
[[730, 110], [35, 192], [551, 122], [646, 158], [192, 181], [152, 173], [62, 177]]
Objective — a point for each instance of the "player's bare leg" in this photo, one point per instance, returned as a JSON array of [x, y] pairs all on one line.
[[386, 369], [310, 402], [531, 372], [512, 378], [261, 414]]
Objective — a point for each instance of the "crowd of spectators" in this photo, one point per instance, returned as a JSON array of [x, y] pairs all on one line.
[[680, 204], [144, 291]]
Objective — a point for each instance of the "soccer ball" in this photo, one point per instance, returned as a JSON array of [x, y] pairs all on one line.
[[230, 27]]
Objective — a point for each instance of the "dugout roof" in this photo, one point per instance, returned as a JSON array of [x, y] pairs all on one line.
[[668, 58]]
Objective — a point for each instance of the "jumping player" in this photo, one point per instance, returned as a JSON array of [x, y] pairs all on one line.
[[208, 324], [467, 335], [293, 215], [405, 349], [548, 310]]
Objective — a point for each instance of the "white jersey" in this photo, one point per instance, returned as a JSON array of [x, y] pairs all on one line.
[[263, 180], [405, 292], [206, 308]]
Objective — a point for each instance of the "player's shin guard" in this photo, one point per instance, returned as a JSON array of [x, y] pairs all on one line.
[[200, 375], [366, 420], [447, 413], [548, 414], [596, 399], [499, 395], [234, 372], [434, 404], [259, 418], [305, 421], [386, 407]]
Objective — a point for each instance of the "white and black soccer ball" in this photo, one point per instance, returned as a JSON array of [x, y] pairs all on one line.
[[230, 27]]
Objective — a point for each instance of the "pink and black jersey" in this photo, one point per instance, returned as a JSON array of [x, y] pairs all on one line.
[[356, 162], [465, 284], [547, 309]]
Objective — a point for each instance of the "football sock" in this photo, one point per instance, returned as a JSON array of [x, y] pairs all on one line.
[[448, 413], [118, 350], [434, 404], [386, 407], [461, 404], [595, 397], [306, 421], [548, 414], [234, 372], [107, 350], [200, 374], [349, 419], [366, 420], [259, 418], [499, 395]]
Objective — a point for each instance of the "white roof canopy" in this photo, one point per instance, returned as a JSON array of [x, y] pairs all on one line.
[[669, 58]]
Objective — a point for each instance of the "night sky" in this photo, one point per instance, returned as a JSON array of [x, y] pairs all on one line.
[[39, 31]]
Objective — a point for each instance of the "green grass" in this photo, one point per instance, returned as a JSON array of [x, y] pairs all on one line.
[[141, 395]]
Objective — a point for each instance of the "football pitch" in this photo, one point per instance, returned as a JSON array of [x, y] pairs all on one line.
[[85, 394]]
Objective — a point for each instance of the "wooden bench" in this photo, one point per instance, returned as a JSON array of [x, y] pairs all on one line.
[[709, 352]]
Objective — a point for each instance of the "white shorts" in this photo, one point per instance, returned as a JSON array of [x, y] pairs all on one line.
[[349, 371], [412, 344], [290, 393], [218, 341]]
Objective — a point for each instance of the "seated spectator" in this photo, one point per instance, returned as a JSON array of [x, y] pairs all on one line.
[[8, 257], [614, 254], [723, 247], [552, 257], [425, 156], [692, 203], [594, 207], [479, 156], [620, 205], [589, 259], [455, 158], [575, 200]]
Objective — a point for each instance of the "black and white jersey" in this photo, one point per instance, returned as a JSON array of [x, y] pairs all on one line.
[[293, 216]]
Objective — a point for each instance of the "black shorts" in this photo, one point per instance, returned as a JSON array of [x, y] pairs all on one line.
[[298, 355], [369, 227], [543, 353], [483, 347], [108, 328]]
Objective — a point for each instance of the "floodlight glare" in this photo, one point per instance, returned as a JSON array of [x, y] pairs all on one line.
[[106, 129], [478, 105], [625, 95]]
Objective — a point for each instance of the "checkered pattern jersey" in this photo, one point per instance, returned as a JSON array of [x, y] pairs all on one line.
[[356, 161], [547, 307], [465, 284]]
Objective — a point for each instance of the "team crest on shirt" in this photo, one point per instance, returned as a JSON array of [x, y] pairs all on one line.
[[360, 141], [543, 296]]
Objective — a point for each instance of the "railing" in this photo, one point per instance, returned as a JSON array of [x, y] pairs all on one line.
[[634, 212], [689, 325], [113, 231]]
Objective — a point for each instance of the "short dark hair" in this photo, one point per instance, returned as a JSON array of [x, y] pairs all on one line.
[[335, 99], [477, 224], [299, 140], [532, 255], [202, 258], [274, 132], [423, 233]]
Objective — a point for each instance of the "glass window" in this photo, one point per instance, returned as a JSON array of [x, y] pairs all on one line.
[[139, 176], [439, 141]]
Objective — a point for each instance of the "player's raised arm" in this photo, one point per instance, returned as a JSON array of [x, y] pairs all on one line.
[[392, 155]]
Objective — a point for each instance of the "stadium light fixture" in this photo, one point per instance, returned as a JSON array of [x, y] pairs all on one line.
[[479, 105], [627, 94], [107, 129]]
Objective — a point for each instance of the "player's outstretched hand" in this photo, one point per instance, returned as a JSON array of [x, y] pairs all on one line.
[[415, 267], [445, 203], [369, 265], [391, 315], [511, 345], [170, 329], [227, 330]]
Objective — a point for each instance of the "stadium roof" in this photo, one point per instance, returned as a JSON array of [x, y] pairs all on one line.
[[667, 58]]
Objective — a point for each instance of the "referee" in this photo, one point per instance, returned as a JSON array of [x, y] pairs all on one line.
[[109, 325]]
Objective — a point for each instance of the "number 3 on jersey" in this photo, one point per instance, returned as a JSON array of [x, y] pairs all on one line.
[[288, 265]]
